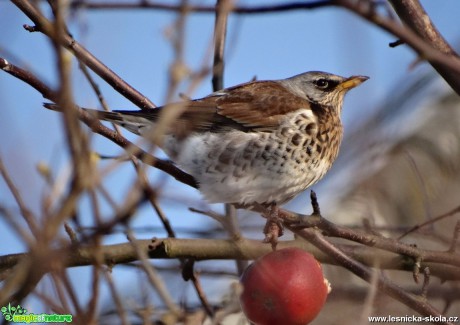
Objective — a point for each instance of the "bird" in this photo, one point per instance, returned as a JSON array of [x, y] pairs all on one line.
[[259, 143]]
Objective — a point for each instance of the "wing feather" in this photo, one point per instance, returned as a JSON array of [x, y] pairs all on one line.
[[259, 105]]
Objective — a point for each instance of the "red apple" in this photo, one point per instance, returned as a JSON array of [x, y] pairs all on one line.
[[286, 287]]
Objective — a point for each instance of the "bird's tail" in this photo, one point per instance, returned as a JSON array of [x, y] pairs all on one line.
[[134, 121]]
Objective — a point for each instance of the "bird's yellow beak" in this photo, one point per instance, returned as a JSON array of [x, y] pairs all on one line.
[[352, 82]]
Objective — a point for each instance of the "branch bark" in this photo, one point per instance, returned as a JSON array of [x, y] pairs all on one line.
[[215, 249], [389, 244], [415, 17]]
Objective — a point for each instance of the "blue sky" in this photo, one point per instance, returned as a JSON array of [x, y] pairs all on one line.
[[134, 45]]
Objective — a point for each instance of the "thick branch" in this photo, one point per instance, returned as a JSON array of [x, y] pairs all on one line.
[[413, 15], [241, 249]]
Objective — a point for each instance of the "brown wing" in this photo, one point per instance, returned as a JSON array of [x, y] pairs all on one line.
[[259, 105], [196, 116], [247, 107]]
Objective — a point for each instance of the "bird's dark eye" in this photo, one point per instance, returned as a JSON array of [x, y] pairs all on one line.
[[326, 84], [322, 83]]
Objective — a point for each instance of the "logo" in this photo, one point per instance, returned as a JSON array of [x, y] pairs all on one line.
[[20, 315]]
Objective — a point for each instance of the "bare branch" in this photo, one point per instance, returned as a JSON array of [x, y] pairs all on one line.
[[416, 271], [146, 4], [189, 274], [430, 222], [29, 79], [223, 7], [152, 275], [447, 64], [294, 221], [97, 127], [243, 249], [116, 297], [426, 281], [455, 238], [43, 25], [413, 15], [25, 211]]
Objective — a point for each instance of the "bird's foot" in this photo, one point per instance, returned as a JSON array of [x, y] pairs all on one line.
[[273, 227]]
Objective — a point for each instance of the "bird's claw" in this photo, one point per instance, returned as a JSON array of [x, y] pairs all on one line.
[[273, 227]]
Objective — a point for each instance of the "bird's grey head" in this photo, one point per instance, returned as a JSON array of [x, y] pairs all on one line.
[[321, 87]]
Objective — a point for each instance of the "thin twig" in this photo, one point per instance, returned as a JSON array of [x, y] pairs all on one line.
[[223, 8], [62, 281], [396, 43], [233, 229], [189, 274], [416, 271], [246, 10], [455, 238], [91, 309], [164, 219], [423, 186], [71, 233], [116, 297], [153, 277], [426, 282], [429, 222], [25, 211], [213, 215]]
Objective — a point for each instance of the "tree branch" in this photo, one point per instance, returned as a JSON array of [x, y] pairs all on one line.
[[46, 27], [295, 221], [145, 4], [446, 63], [216, 249], [99, 128], [413, 15], [223, 8]]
